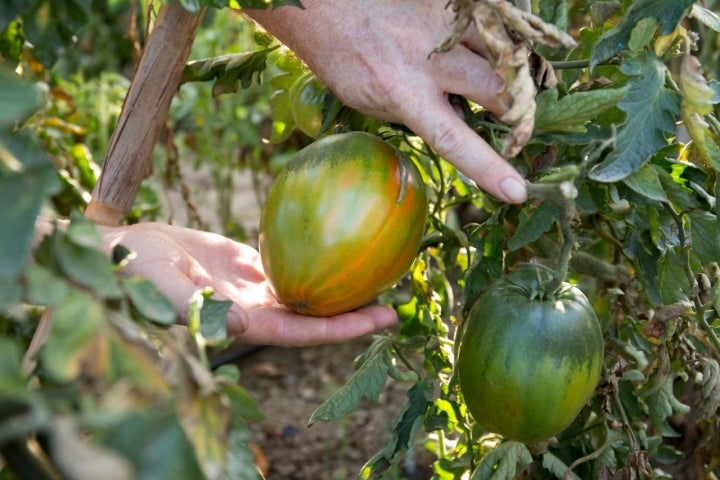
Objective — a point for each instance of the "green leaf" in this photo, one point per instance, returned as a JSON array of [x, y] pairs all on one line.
[[707, 17], [487, 262], [242, 403], [662, 404], [213, 318], [404, 432], [367, 382], [18, 98], [27, 177], [571, 112], [87, 266], [534, 222], [148, 302], [557, 467], [155, 443], [705, 236], [672, 281], [45, 287], [283, 122], [75, 322], [642, 34], [504, 462], [51, 26], [227, 70], [12, 380], [650, 109], [667, 13], [646, 182]]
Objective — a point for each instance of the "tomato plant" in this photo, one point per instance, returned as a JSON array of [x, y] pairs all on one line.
[[619, 146], [342, 223], [528, 360]]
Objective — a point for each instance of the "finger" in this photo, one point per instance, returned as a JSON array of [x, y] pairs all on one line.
[[279, 326], [466, 73], [437, 123]]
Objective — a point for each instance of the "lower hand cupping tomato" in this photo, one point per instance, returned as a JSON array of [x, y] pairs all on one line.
[[179, 261]]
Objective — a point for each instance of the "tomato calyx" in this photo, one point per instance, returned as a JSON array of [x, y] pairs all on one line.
[[537, 282]]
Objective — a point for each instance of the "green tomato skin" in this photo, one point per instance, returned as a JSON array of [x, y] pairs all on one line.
[[526, 367], [342, 223], [307, 97]]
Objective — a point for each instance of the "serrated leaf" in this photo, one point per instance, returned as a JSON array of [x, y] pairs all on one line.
[[668, 14], [534, 222], [504, 462], [662, 404], [650, 115], [367, 382], [404, 432], [227, 70], [646, 182], [571, 112]]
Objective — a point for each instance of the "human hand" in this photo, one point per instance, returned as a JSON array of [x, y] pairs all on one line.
[[179, 261], [374, 56]]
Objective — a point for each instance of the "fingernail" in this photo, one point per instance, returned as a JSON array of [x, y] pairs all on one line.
[[514, 190]]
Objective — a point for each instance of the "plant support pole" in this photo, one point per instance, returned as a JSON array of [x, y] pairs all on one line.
[[144, 112]]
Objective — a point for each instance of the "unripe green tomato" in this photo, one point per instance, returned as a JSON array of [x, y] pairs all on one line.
[[307, 97], [527, 365]]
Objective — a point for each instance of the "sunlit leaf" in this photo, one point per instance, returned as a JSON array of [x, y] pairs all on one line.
[[213, 318], [573, 111], [367, 382]]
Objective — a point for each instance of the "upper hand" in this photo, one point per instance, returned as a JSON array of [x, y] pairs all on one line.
[[375, 56], [179, 261]]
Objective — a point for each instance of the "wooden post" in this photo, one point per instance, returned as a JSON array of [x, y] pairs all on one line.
[[144, 113]]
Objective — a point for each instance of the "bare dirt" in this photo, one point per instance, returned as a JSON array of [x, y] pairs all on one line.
[[289, 384]]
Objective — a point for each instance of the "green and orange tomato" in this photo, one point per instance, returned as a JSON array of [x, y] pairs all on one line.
[[527, 362], [342, 223]]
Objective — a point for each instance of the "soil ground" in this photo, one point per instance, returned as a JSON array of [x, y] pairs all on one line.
[[289, 384]]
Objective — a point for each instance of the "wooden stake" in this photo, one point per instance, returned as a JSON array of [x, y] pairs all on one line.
[[144, 113]]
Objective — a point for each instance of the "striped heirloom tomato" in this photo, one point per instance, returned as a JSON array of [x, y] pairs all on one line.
[[527, 362], [342, 223]]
